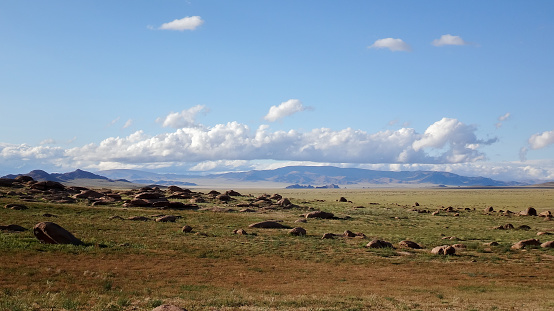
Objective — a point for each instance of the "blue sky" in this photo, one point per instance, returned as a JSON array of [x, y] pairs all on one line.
[[179, 86]]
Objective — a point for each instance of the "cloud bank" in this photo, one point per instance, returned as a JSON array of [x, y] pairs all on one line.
[[185, 23], [391, 44]]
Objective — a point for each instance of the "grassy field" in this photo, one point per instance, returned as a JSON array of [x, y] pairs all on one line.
[[138, 265]]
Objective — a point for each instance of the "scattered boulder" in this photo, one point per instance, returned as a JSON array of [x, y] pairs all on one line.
[[186, 229], [504, 227], [51, 233], [48, 185], [240, 232], [545, 214], [138, 218], [524, 243], [528, 212], [168, 308], [297, 231], [409, 244], [88, 194], [524, 227], [343, 199], [348, 234], [379, 244], [233, 193], [16, 207], [12, 228], [444, 250], [284, 202], [166, 218], [488, 209], [549, 244], [223, 197], [544, 233], [303, 220], [320, 214], [276, 197], [268, 225], [435, 213], [459, 246], [328, 236]]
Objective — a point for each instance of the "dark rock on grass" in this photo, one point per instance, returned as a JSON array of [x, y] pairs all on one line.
[[51, 233], [268, 225], [233, 193], [549, 244], [504, 227], [297, 231], [320, 214], [186, 229], [48, 185], [343, 199], [379, 244], [303, 220], [17, 207], [168, 308], [88, 194], [525, 243], [223, 197], [524, 227], [328, 236], [138, 218], [444, 250], [409, 244], [488, 209], [348, 234], [284, 202], [12, 228]]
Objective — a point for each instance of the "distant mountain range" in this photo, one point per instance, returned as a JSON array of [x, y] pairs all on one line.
[[325, 175], [299, 176]]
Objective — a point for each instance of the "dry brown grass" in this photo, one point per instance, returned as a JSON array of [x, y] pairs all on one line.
[[274, 271]]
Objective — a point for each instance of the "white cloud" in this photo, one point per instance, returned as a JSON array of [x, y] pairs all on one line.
[[449, 40], [114, 121], [541, 140], [502, 119], [285, 109], [185, 23], [391, 44], [446, 145], [48, 141], [185, 118], [128, 123]]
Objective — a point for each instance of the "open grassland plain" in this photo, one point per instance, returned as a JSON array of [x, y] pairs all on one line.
[[139, 265]]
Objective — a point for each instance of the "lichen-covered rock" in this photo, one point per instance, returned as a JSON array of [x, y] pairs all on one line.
[[297, 231], [444, 250], [379, 244], [409, 244], [524, 243]]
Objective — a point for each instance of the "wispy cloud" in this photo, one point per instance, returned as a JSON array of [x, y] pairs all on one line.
[[285, 109], [185, 23], [449, 40], [128, 124], [501, 119], [391, 44]]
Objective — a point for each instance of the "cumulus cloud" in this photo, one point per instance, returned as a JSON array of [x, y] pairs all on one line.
[[541, 140], [451, 140], [185, 118], [449, 40], [391, 44], [285, 109], [185, 23]]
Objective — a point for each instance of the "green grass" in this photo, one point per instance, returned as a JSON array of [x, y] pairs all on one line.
[[134, 265]]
